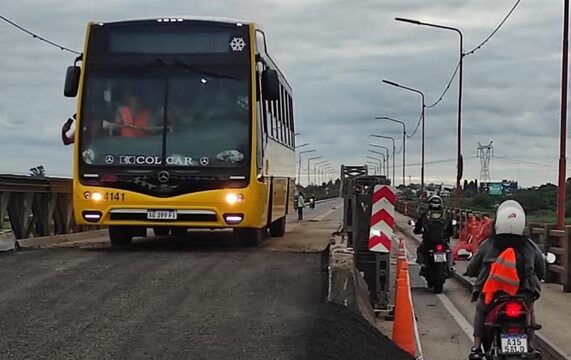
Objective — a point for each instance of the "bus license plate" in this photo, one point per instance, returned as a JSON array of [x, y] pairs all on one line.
[[161, 215], [514, 343], [439, 257]]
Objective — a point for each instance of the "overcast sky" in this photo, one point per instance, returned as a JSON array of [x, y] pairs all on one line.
[[335, 53]]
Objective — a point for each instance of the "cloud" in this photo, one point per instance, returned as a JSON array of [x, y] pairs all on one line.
[[334, 53]]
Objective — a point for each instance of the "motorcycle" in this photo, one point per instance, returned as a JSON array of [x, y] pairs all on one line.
[[508, 325], [312, 203], [437, 269]]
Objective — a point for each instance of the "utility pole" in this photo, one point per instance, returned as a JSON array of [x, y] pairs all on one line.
[[485, 152], [563, 133]]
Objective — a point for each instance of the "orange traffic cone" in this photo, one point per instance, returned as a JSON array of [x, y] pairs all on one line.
[[403, 326], [401, 257]]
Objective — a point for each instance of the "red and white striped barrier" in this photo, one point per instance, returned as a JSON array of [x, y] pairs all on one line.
[[382, 218]]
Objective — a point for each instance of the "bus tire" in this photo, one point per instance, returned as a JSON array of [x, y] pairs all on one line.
[[179, 231], [250, 237], [278, 227], [120, 236], [161, 231]]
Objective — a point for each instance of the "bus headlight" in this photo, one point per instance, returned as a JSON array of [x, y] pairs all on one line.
[[96, 196], [232, 198]]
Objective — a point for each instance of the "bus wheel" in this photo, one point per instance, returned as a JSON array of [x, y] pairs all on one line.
[[278, 227], [120, 236], [250, 237], [161, 231], [179, 231]]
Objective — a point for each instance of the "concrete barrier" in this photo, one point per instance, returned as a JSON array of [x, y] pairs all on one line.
[[346, 286]]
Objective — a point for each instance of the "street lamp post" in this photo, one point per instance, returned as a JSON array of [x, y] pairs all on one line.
[[324, 169], [385, 158], [403, 143], [393, 140], [459, 164], [387, 154], [422, 118], [374, 165], [315, 170], [299, 165], [379, 160], [308, 171]]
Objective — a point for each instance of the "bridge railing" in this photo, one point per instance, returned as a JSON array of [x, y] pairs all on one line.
[[36, 206], [546, 236]]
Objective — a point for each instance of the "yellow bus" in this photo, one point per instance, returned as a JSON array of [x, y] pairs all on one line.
[[181, 123]]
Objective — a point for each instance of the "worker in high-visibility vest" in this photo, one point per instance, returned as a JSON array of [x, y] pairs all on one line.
[[507, 262]]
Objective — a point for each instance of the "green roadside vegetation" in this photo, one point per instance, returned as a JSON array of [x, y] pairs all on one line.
[[539, 202], [322, 191]]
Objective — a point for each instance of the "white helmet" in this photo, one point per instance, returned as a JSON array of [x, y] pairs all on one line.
[[510, 218]]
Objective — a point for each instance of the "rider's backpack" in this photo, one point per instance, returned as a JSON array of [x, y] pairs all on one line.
[[435, 225]]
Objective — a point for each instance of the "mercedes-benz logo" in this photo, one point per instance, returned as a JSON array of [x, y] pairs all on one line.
[[163, 176], [109, 159], [204, 161]]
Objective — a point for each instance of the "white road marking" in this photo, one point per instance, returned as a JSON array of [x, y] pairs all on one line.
[[455, 313]]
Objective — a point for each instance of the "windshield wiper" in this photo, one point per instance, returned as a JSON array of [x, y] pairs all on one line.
[[177, 62]]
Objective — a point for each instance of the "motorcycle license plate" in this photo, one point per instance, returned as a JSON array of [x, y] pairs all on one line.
[[161, 215], [439, 257], [514, 343]]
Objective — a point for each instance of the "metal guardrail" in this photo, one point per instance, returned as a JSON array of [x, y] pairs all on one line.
[[36, 206]]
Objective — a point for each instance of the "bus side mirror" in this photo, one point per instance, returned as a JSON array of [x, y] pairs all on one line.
[[71, 81], [270, 85]]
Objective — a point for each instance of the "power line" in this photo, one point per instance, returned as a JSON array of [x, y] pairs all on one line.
[[519, 162], [471, 52], [447, 87], [495, 30], [416, 128], [436, 162], [36, 36]]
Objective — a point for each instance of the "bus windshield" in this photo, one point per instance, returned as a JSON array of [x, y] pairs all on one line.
[[175, 111]]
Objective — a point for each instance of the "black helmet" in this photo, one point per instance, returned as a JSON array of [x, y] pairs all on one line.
[[435, 202]]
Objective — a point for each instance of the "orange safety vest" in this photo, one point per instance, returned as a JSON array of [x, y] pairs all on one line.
[[503, 276], [141, 120]]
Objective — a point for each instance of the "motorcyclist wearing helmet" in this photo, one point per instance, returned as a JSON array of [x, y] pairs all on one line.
[[434, 225], [530, 265]]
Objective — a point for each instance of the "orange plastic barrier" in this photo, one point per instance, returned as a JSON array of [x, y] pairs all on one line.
[[472, 234]]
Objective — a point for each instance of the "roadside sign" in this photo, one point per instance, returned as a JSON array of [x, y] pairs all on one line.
[[382, 218]]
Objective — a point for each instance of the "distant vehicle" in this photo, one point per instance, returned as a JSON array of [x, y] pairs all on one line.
[[185, 123]]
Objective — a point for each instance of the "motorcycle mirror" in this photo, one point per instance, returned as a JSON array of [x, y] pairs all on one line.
[[550, 258], [411, 222], [465, 254]]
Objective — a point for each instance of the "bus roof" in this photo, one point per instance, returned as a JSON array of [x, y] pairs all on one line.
[[185, 17]]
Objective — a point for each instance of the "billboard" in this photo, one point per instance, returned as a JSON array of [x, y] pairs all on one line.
[[495, 188]]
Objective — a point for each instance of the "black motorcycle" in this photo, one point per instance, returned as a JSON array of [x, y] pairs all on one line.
[[437, 270]]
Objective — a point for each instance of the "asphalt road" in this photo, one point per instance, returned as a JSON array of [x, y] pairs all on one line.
[[202, 298]]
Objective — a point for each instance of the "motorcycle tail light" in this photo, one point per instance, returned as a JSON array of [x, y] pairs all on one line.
[[439, 248], [513, 309]]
